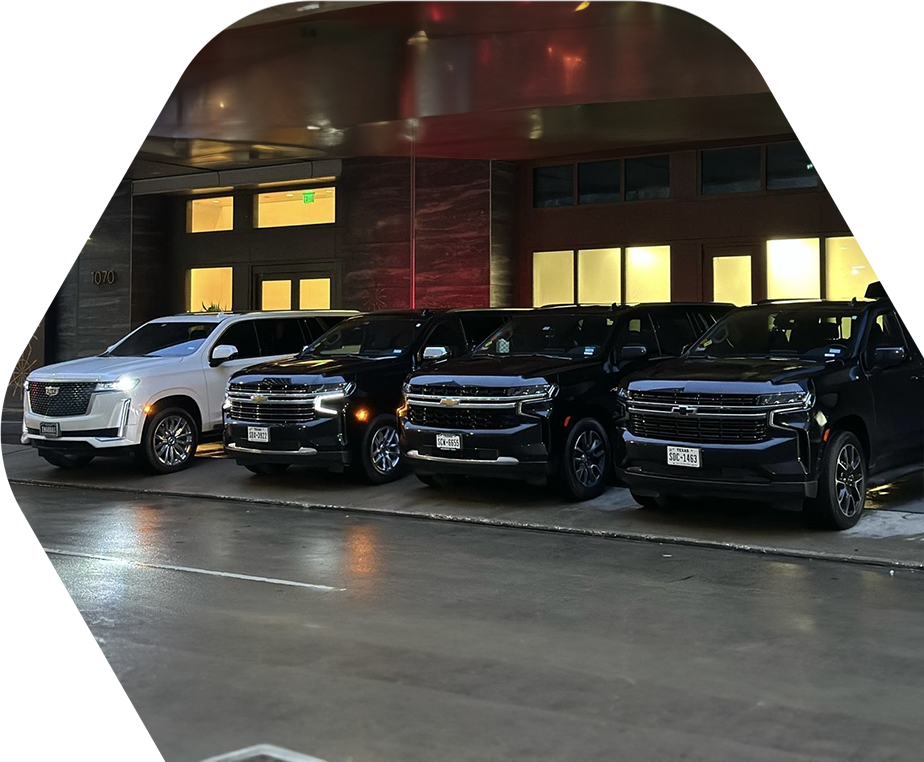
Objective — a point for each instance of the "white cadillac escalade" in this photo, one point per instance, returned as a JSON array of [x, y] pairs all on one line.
[[158, 391]]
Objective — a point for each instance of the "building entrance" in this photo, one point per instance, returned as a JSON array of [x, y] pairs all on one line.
[[317, 287]]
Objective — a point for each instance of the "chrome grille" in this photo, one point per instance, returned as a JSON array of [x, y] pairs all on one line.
[[455, 390], [462, 417], [266, 403], [60, 400], [668, 397], [698, 429]]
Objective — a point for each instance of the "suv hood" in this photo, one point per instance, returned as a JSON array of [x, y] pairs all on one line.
[[696, 372], [102, 368], [499, 371], [312, 370]]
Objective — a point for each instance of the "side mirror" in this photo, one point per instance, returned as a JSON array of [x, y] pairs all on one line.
[[888, 357], [222, 353], [431, 354], [633, 352]]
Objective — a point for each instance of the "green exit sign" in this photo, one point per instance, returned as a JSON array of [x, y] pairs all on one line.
[[308, 197]]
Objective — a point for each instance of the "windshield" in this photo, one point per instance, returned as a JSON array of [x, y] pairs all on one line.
[[555, 335], [166, 339], [807, 332], [367, 337]]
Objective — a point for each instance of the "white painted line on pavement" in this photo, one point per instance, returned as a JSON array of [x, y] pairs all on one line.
[[193, 570]]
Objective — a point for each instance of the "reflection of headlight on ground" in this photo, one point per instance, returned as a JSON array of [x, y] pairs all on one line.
[[121, 384]]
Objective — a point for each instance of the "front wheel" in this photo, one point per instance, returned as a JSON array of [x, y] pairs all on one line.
[[65, 460], [379, 457], [584, 467], [169, 441], [842, 486]]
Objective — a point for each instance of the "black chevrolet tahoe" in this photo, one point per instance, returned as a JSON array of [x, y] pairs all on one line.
[[815, 401], [333, 405], [534, 400]]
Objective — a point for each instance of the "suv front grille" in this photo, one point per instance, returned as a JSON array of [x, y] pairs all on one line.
[[462, 418], [667, 397], [269, 401], [698, 429], [454, 390], [60, 400]]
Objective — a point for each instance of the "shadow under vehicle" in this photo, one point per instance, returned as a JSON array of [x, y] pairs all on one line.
[[333, 406], [534, 400], [806, 401]]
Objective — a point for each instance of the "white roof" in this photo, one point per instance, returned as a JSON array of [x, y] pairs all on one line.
[[220, 317]]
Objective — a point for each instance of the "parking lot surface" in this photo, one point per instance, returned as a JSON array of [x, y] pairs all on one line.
[[358, 637]]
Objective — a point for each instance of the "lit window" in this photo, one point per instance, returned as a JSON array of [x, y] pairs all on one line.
[[648, 274], [305, 206], [207, 215], [648, 177], [731, 170], [794, 269], [788, 166], [731, 279], [847, 270], [276, 295], [553, 277], [599, 276], [209, 289], [553, 186], [314, 294]]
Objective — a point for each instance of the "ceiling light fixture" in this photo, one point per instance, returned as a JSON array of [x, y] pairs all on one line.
[[312, 127], [582, 6]]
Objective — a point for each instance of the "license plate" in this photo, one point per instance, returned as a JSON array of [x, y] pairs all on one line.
[[683, 456], [257, 434], [448, 442], [50, 429]]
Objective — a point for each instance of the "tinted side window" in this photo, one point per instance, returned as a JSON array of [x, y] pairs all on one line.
[[675, 331], [312, 328], [479, 325], [280, 336], [448, 333], [242, 335], [637, 329]]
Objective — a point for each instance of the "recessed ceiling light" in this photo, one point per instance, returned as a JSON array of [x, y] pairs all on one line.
[[312, 127]]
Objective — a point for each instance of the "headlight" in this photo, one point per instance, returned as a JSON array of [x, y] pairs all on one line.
[[330, 396], [406, 388], [121, 384], [785, 399], [226, 405], [623, 393], [545, 390]]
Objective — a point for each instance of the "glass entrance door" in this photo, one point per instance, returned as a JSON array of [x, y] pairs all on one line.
[[300, 291], [733, 274]]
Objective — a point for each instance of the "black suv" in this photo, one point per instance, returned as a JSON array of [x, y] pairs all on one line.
[[334, 404], [812, 400], [535, 399]]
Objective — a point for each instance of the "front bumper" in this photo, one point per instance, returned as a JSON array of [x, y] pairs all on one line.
[[760, 470], [321, 443], [112, 421], [519, 452]]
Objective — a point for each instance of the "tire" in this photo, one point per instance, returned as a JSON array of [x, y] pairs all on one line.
[[65, 460], [841, 486], [169, 441], [379, 458], [267, 469], [646, 501], [585, 460]]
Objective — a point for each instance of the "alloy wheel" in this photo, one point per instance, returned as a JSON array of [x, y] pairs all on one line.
[[589, 458], [173, 439], [849, 484], [384, 449]]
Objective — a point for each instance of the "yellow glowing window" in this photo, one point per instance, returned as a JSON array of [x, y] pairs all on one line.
[[209, 289], [847, 270], [648, 274], [306, 206], [794, 269], [599, 276], [314, 294], [553, 277], [207, 215], [276, 295], [731, 279]]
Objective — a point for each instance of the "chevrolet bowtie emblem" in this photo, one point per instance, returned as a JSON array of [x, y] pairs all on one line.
[[258, 398], [52, 391], [449, 402], [683, 409]]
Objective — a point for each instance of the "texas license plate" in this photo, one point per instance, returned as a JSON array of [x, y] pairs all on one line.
[[257, 434], [51, 430], [448, 442], [683, 456]]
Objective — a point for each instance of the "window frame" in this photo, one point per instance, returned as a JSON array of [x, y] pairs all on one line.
[[208, 197]]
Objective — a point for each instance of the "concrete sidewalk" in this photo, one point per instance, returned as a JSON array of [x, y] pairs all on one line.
[[892, 533]]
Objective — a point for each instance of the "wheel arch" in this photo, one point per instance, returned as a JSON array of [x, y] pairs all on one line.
[[856, 426], [182, 401]]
